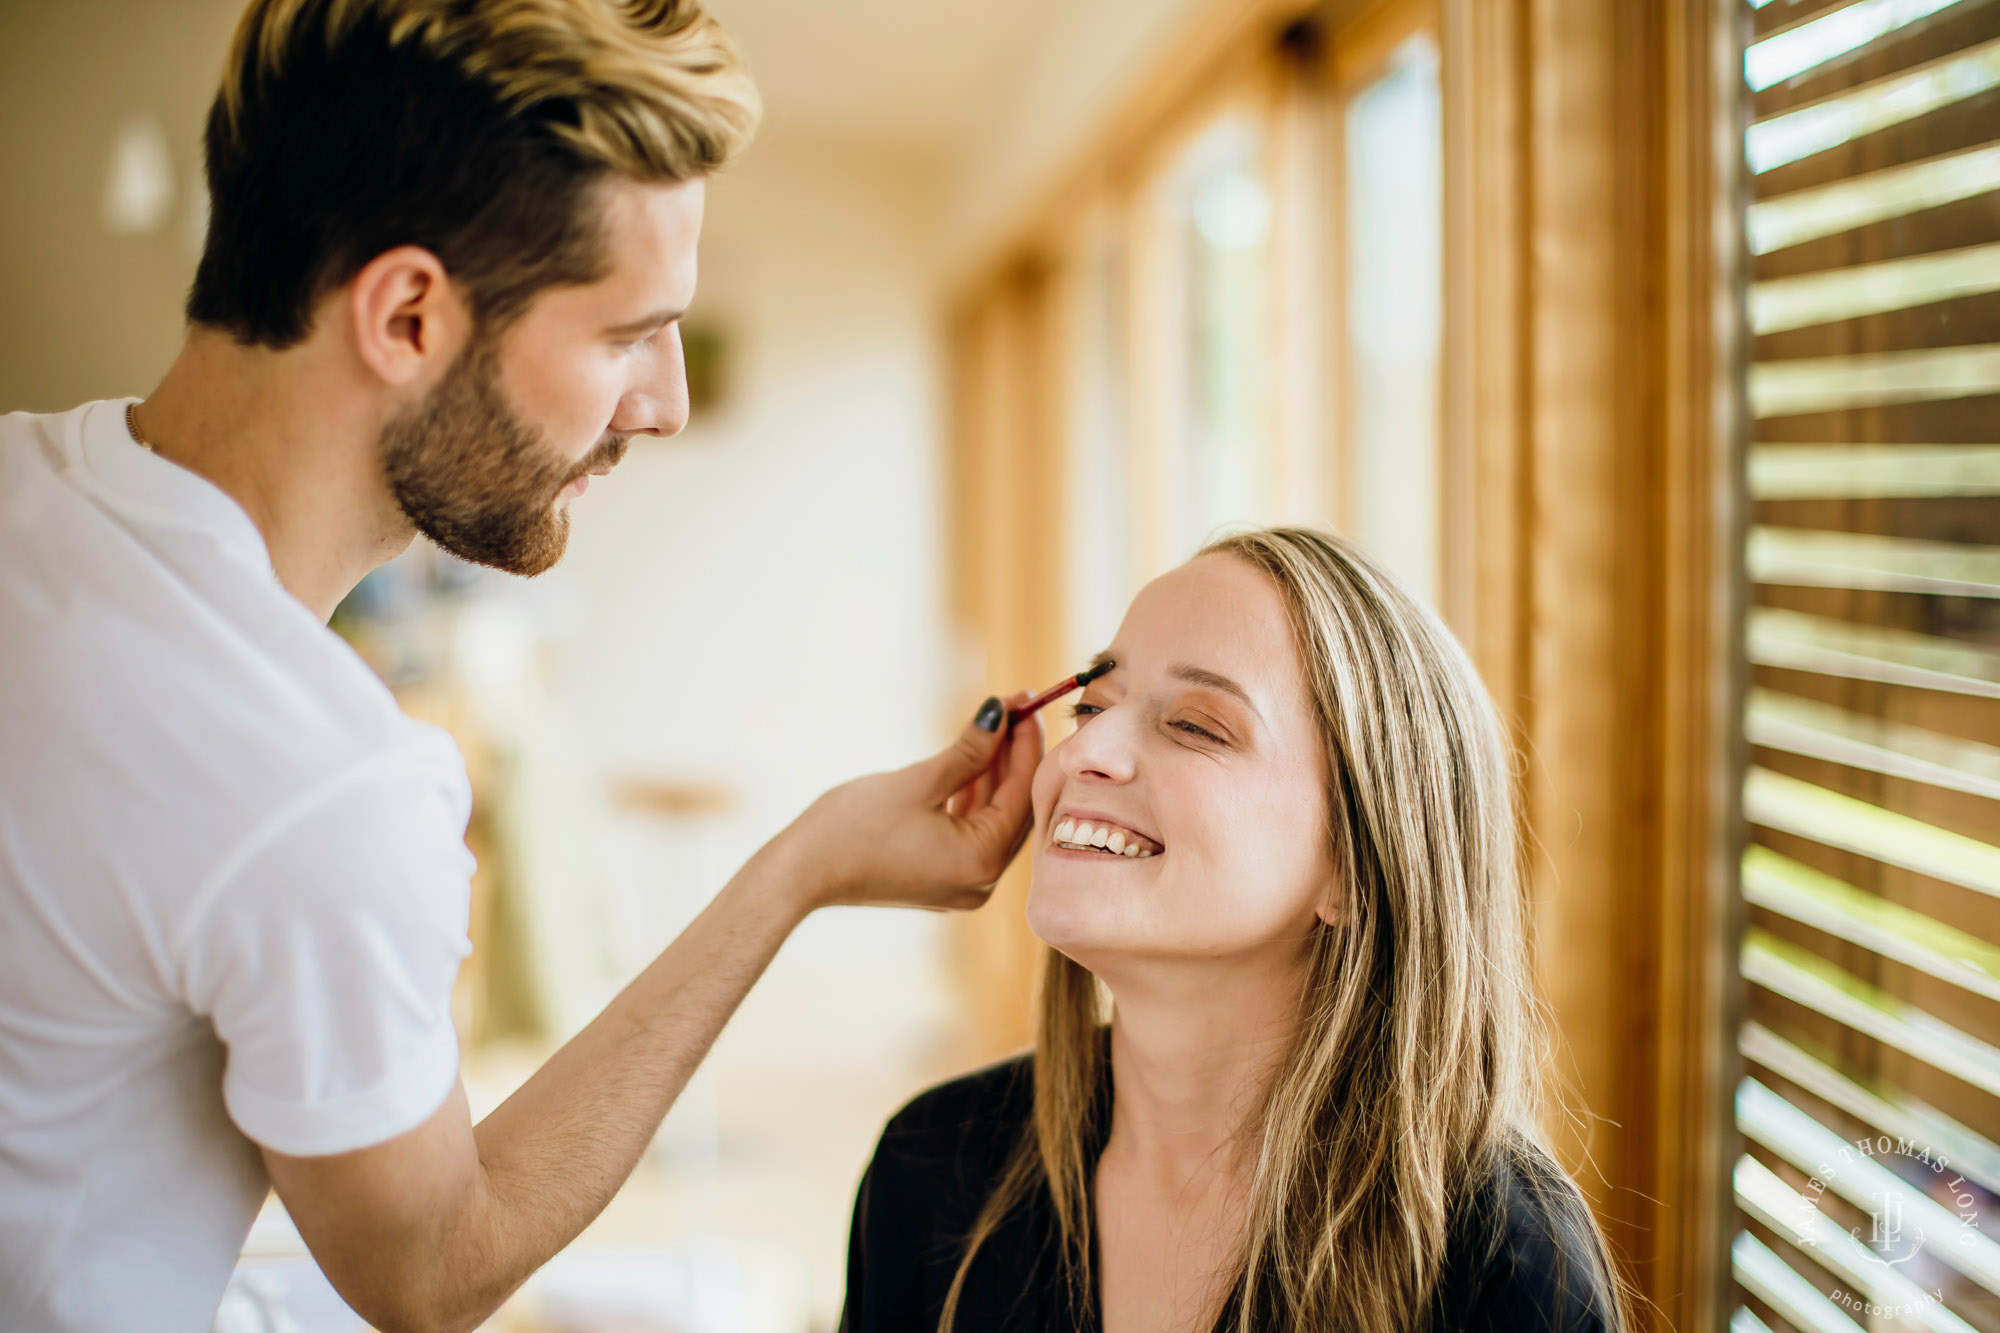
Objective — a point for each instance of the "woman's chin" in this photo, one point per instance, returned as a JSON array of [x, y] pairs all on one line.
[[1078, 925]]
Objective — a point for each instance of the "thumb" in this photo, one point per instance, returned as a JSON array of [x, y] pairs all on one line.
[[967, 757]]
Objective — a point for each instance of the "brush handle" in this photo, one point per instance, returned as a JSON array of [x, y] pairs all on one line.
[[1058, 690], [1042, 700]]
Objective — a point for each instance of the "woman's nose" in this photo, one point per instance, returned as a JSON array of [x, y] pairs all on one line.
[[1101, 749]]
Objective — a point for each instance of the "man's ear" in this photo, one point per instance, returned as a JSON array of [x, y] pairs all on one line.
[[409, 320]]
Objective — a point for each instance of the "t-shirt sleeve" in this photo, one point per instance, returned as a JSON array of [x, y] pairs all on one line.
[[325, 955]]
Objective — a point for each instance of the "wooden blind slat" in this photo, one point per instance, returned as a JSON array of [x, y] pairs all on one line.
[[1836, 383], [1745, 1321], [1806, 979], [1817, 730], [1878, 196], [1769, 16], [1943, 420], [1779, 884], [1872, 107], [1796, 641], [1805, 810], [1873, 289], [1921, 38], [1867, 561], [1772, 1281], [1953, 320], [1872, 471], [1778, 1206], [1806, 46], [1796, 1137], [1877, 1103]]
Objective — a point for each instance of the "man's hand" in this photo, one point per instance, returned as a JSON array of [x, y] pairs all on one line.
[[937, 834]]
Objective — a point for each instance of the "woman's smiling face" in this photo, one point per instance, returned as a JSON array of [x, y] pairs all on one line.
[[1203, 744]]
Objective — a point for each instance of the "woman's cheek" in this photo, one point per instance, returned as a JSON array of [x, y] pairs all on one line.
[[1047, 784]]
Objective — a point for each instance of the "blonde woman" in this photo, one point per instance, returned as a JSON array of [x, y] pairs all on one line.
[[1286, 1067]]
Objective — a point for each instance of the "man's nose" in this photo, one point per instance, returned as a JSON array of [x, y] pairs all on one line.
[[658, 405]]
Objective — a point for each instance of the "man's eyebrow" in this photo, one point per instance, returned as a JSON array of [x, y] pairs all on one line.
[[1212, 680], [659, 319]]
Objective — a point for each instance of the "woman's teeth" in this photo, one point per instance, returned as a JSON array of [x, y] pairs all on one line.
[[1079, 835]]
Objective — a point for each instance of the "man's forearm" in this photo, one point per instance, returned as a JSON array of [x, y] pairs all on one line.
[[433, 1228], [555, 1152]]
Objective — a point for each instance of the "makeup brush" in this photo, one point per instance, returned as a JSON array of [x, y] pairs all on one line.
[[1058, 690]]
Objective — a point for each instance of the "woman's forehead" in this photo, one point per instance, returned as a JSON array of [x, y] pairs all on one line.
[[1217, 613]]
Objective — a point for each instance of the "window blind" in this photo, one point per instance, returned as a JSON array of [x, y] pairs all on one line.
[[1868, 1187]]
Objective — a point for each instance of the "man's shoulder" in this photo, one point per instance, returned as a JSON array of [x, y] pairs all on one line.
[[160, 690]]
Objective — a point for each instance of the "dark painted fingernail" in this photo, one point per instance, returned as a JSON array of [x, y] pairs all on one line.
[[989, 715]]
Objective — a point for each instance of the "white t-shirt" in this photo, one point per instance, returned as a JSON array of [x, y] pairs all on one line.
[[233, 885]]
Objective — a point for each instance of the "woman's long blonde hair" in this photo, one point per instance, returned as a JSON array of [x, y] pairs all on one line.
[[1419, 1048]]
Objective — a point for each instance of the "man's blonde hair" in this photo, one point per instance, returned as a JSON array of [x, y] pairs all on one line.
[[652, 89], [473, 127]]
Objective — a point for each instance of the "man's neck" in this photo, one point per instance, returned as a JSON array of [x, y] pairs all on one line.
[[1193, 1050], [291, 436]]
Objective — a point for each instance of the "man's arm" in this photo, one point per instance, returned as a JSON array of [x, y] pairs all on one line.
[[434, 1228]]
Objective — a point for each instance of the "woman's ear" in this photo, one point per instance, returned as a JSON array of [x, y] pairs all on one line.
[[1330, 905]]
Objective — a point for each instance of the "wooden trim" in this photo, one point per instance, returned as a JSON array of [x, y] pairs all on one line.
[[1627, 584], [1486, 330], [1363, 45], [1006, 509], [1701, 762], [1304, 297]]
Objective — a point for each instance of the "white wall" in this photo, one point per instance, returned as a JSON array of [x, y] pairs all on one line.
[[85, 313]]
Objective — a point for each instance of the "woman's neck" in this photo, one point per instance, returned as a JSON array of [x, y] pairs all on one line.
[[1193, 1050]]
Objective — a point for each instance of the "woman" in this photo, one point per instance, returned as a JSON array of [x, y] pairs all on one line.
[[1313, 1104]]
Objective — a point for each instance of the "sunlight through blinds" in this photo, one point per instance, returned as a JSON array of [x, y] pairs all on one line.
[[1868, 1190]]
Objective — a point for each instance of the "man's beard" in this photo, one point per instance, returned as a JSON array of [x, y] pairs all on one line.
[[475, 478]]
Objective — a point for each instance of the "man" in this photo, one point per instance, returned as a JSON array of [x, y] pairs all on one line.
[[450, 242]]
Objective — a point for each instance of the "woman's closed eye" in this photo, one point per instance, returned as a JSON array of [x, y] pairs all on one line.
[[1081, 711], [1196, 729]]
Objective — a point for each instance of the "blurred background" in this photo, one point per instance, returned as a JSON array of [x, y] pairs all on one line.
[[1657, 344]]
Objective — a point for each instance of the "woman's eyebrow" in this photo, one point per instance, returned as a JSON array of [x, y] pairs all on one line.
[[1213, 680]]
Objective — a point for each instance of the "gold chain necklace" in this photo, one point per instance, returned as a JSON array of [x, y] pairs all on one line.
[[132, 424]]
